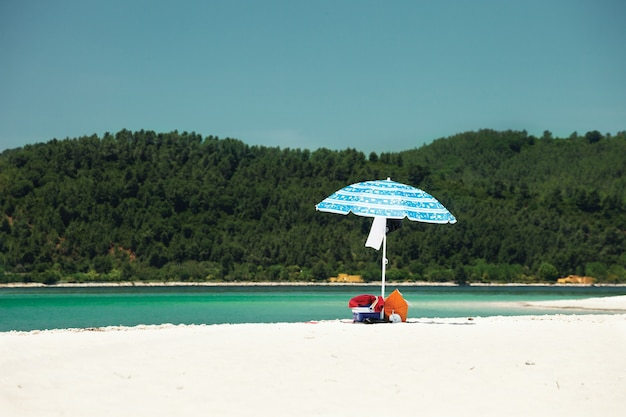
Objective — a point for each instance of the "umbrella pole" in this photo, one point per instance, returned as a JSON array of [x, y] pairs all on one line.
[[384, 264]]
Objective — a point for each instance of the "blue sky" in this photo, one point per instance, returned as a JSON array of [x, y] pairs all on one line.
[[382, 76]]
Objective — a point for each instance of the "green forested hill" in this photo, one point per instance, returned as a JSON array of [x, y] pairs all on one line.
[[179, 206]]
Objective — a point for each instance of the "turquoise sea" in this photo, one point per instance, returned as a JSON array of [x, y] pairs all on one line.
[[81, 307]]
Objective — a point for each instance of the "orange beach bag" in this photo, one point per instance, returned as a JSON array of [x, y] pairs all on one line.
[[395, 303]]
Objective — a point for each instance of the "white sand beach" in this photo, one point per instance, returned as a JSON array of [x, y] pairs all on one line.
[[554, 365]]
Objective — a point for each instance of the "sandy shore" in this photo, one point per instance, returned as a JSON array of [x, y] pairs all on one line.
[[617, 304], [556, 365]]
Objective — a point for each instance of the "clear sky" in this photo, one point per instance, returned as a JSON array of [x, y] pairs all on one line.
[[374, 75]]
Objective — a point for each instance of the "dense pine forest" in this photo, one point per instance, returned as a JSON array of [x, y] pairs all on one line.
[[149, 206]]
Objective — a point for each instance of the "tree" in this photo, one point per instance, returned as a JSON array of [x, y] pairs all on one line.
[[593, 136], [548, 272]]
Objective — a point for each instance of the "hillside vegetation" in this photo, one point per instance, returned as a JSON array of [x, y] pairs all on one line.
[[179, 206]]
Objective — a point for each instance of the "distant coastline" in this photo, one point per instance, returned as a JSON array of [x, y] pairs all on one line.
[[285, 284], [216, 284]]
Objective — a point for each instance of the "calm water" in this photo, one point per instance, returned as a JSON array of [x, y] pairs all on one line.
[[49, 308]]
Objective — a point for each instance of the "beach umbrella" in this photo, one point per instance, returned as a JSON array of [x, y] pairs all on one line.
[[387, 202]]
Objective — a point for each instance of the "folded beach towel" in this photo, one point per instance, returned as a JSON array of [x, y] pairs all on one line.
[[367, 300]]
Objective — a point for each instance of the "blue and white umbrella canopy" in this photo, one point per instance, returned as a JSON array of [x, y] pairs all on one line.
[[389, 199], [385, 199]]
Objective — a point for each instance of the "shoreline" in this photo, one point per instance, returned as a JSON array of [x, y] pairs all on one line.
[[592, 306], [615, 303], [289, 284], [600, 315]]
